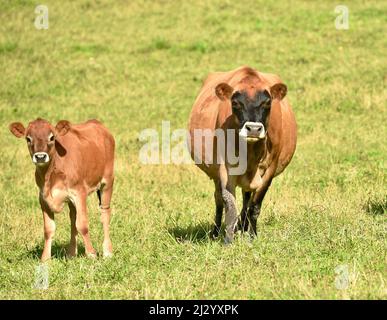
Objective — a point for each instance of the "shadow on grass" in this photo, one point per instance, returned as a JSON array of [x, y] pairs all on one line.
[[58, 251], [196, 234], [376, 206]]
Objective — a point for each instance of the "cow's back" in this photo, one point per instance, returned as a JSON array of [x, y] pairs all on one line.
[[204, 115], [86, 152]]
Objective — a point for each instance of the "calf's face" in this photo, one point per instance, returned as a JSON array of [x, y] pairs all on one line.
[[40, 136], [251, 109]]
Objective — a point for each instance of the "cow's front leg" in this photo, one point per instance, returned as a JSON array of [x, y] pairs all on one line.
[[243, 224], [253, 215], [82, 224], [219, 210], [231, 219], [49, 230], [255, 208]]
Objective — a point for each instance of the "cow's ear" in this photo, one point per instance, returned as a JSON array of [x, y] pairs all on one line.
[[224, 91], [278, 91], [17, 129], [62, 127]]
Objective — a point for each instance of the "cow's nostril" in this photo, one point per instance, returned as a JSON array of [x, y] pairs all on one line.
[[248, 128]]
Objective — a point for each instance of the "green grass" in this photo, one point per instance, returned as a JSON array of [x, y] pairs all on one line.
[[133, 64]]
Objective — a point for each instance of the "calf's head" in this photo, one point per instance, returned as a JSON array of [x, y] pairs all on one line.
[[40, 136], [251, 107]]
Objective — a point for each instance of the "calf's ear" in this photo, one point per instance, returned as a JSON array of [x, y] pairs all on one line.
[[278, 91], [224, 91], [17, 129], [62, 127]]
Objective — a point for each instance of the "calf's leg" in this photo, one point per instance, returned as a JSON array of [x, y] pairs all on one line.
[[49, 231], [105, 198], [82, 224], [72, 248]]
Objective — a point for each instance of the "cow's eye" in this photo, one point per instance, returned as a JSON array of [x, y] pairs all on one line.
[[51, 137], [29, 140], [267, 104], [236, 105]]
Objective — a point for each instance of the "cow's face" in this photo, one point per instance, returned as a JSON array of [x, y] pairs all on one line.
[[40, 136], [251, 109]]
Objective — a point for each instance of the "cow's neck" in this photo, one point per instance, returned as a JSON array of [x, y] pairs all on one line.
[[259, 155], [52, 184], [257, 151]]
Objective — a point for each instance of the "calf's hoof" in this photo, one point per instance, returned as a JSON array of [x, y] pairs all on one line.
[[91, 255], [44, 259], [107, 255], [71, 255], [71, 252], [107, 249]]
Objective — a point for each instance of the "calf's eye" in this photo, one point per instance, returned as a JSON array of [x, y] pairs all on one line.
[[51, 137], [29, 140]]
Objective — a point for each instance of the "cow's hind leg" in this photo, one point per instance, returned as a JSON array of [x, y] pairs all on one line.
[[105, 195], [244, 221], [219, 210], [82, 223], [72, 248]]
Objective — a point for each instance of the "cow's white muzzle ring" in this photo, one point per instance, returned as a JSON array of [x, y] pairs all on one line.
[[40, 158], [252, 131]]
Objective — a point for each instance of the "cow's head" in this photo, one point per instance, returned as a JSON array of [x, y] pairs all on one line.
[[40, 136], [251, 108]]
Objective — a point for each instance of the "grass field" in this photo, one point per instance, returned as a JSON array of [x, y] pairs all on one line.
[[132, 64]]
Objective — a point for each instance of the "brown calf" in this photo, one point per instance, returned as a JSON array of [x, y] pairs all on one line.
[[253, 104], [71, 162]]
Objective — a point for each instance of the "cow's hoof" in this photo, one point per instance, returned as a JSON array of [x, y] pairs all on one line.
[[227, 241], [252, 236], [214, 234]]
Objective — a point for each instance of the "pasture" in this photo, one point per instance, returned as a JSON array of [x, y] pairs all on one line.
[[133, 64]]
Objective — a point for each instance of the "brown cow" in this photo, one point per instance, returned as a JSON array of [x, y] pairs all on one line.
[[254, 106], [71, 162]]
